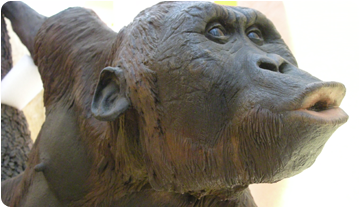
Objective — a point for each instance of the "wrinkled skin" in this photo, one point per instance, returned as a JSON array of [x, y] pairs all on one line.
[[232, 83], [195, 102]]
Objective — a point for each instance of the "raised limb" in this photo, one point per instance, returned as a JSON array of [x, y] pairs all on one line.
[[24, 20]]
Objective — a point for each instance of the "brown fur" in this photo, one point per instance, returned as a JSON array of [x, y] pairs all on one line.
[[9, 187], [204, 120], [23, 183], [67, 54]]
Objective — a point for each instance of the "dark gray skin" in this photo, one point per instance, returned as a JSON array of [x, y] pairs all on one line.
[[195, 102]]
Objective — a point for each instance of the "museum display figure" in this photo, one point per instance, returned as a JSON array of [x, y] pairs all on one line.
[[186, 106]]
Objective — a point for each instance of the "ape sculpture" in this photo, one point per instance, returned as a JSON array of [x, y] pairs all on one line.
[[185, 106]]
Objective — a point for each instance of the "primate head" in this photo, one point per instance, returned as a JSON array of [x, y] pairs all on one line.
[[218, 98]]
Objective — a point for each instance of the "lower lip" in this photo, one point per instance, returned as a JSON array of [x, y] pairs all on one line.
[[332, 115]]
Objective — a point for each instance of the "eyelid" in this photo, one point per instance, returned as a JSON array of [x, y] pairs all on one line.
[[255, 29], [221, 39], [216, 25]]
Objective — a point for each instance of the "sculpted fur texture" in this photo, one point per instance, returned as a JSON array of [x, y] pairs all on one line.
[[185, 106]]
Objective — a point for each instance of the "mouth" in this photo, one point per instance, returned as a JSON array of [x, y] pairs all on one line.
[[321, 101]]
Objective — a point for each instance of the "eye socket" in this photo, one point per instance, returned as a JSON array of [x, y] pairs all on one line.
[[255, 36], [217, 33]]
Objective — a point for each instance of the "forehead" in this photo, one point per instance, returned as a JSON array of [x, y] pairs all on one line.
[[207, 11]]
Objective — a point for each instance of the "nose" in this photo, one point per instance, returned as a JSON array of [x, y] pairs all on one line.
[[272, 62]]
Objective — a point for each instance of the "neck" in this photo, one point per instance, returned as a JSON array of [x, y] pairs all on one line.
[[150, 197], [119, 176]]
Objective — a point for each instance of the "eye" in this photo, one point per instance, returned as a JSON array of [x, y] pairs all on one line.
[[255, 36], [216, 32]]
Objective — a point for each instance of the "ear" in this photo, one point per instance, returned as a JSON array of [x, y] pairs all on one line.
[[110, 100]]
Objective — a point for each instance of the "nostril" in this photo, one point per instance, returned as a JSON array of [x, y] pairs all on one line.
[[268, 66], [282, 68]]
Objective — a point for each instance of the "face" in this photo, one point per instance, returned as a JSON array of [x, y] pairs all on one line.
[[233, 106]]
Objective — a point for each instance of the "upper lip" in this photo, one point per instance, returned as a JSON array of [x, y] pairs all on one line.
[[322, 96]]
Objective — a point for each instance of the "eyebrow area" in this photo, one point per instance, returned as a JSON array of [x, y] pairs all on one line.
[[209, 12]]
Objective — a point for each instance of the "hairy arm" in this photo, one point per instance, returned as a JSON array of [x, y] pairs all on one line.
[[25, 22], [8, 187]]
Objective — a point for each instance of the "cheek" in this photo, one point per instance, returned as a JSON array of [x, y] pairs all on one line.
[[198, 104], [199, 115]]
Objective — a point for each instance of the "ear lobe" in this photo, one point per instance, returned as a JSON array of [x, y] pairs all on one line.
[[110, 100]]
